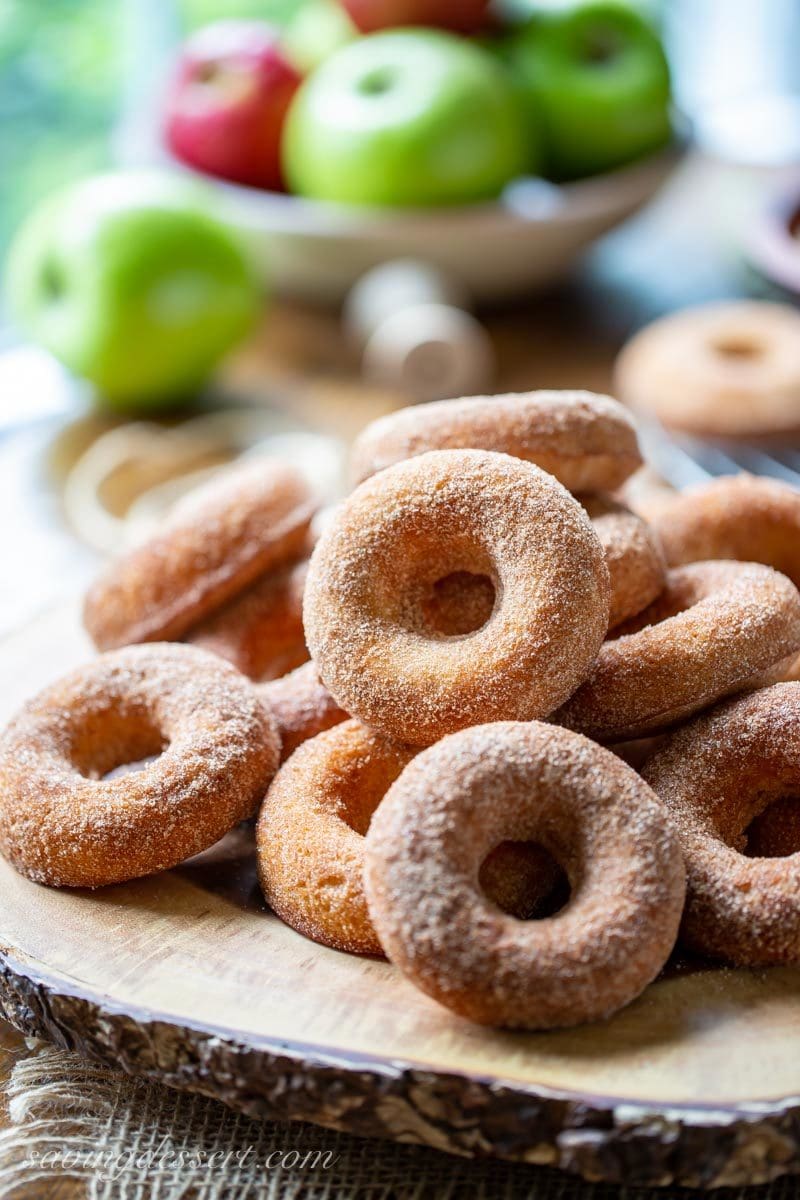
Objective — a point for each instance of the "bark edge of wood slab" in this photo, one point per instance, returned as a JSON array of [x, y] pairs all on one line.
[[600, 1139]]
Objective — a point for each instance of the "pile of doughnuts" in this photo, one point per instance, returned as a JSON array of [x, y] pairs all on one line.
[[438, 753]]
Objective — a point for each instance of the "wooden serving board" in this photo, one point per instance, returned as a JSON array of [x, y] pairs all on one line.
[[187, 978]]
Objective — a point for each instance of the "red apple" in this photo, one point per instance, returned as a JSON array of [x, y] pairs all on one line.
[[462, 16], [227, 102]]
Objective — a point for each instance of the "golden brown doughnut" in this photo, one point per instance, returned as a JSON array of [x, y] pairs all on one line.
[[716, 776], [633, 555], [588, 441], [310, 840], [724, 370], [310, 833], [524, 781], [260, 631], [741, 517], [63, 823], [412, 525], [301, 705], [462, 603], [718, 628], [218, 540]]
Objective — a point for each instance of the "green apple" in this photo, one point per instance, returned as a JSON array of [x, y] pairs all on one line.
[[595, 82], [318, 29], [132, 284], [409, 117]]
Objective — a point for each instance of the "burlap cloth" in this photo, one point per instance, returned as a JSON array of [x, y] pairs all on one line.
[[127, 1139]]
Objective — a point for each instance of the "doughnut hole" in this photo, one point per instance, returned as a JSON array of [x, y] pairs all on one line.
[[446, 590], [775, 832], [738, 348], [459, 603], [116, 741], [524, 881]]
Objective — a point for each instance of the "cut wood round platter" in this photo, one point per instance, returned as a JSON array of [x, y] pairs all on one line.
[[186, 977]]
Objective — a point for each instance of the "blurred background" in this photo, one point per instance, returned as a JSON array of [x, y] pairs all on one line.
[[352, 304]]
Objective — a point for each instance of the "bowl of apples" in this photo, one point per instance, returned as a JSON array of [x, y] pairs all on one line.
[[496, 146]]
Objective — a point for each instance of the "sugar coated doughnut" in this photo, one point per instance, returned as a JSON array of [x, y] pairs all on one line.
[[728, 370], [63, 823], [633, 555], [586, 440], [524, 782], [310, 840], [740, 517], [717, 628], [461, 603], [310, 833], [219, 539], [412, 525], [260, 631], [716, 776], [301, 705]]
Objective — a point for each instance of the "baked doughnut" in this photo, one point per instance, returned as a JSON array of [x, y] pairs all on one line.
[[301, 705], [524, 781], [587, 441], [717, 628], [63, 823], [412, 525], [633, 555], [310, 840], [260, 631], [310, 833], [461, 603], [716, 776], [218, 540], [724, 370], [741, 517]]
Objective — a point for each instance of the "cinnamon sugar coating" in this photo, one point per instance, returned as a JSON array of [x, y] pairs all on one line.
[[716, 776], [301, 705], [740, 517], [717, 628], [62, 823], [218, 540], [529, 782], [310, 840], [412, 525], [633, 553], [260, 631], [310, 833], [588, 441]]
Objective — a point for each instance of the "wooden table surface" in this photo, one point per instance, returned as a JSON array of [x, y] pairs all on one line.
[[684, 249]]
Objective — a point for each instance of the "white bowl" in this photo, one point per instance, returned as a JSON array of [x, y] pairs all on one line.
[[506, 249]]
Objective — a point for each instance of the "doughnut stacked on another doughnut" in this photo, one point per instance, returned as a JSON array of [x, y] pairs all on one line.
[[718, 628], [531, 782], [717, 776], [310, 840], [587, 441], [222, 556], [424, 519]]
